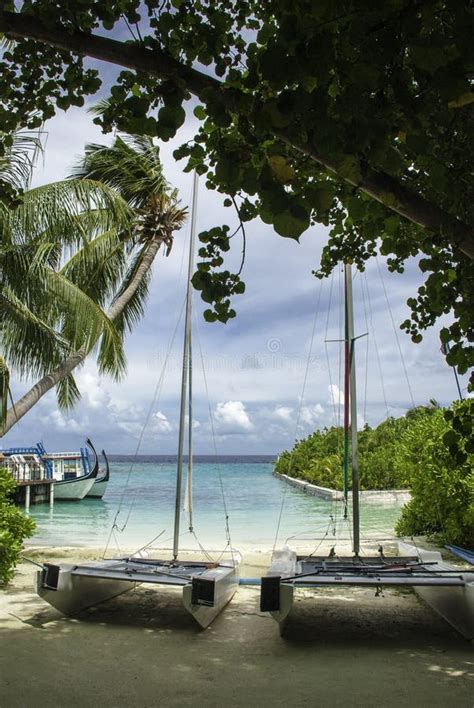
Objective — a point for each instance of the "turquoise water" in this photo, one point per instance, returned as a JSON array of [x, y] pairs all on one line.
[[146, 498]]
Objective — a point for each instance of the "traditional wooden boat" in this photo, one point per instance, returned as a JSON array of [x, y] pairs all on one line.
[[447, 589], [206, 586], [70, 484], [74, 473], [101, 482]]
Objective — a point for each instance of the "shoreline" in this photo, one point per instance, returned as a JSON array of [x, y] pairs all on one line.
[[369, 496]]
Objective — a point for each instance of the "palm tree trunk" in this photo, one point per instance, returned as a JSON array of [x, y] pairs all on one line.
[[49, 381]]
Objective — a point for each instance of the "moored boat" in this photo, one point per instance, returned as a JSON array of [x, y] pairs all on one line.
[[70, 484], [101, 482], [74, 473]]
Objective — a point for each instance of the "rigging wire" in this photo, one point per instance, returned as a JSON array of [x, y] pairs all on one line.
[[156, 397], [219, 472], [377, 352], [340, 433], [336, 406], [366, 347], [298, 415], [395, 332]]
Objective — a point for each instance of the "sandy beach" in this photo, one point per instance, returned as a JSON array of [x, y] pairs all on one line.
[[344, 648]]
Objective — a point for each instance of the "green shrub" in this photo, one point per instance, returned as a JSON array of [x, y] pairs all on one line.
[[442, 485], [14, 528]]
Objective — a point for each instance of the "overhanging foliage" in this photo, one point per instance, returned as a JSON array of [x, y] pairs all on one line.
[[357, 115]]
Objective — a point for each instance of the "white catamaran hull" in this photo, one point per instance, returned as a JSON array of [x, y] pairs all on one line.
[[455, 604], [73, 588]]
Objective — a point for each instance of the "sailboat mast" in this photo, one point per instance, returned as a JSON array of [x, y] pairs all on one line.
[[349, 307], [186, 374], [347, 347]]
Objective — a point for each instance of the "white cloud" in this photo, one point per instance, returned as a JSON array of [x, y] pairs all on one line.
[[161, 423], [61, 422], [231, 416], [311, 415], [336, 395], [91, 387], [283, 413]]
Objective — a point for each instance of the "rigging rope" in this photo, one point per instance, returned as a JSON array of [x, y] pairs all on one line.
[[395, 332], [298, 415], [366, 346], [336, 406], [377, 353], [219, 473], [156, 397]]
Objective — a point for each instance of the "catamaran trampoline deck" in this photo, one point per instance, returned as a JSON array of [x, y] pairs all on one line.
[[370, 571]]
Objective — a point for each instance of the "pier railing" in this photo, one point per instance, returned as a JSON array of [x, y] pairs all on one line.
[[27, 471]]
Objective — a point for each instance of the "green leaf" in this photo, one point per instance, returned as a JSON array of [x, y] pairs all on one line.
[[292, 222], [209, 316], [349, 168], [200, 112]]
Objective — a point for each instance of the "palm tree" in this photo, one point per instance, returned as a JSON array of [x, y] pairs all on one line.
[[43, 313], [118, 211]]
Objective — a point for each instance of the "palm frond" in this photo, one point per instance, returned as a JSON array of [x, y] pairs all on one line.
[[84, 320], [98, 267], [71, 212], [67, 393], [21, 151], [28, 343], [131, 166]]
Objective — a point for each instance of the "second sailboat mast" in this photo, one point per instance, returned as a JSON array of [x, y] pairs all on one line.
[[186, 379], [351, 370]]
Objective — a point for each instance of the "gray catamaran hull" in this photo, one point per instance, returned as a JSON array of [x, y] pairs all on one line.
[[455, 604], [206, 590], [448, 590]]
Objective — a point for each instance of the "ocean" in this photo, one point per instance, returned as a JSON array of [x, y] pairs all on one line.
[[140, 500]]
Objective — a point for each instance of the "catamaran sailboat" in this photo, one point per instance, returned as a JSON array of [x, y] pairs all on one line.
[[449, 590], [207, 586]]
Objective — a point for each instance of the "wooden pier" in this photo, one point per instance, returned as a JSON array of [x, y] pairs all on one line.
[[33, 487], [35, 491]]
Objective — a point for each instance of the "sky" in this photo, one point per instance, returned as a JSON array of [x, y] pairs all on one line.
[[269, 376]]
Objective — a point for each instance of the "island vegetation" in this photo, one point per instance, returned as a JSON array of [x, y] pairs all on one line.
[[424, 451]]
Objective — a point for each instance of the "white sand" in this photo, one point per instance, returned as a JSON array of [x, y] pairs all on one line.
[[344, 648]]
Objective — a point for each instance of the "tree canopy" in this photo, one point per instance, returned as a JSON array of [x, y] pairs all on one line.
[[356, 115]]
